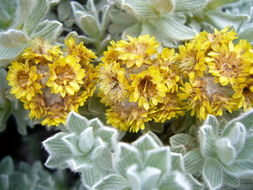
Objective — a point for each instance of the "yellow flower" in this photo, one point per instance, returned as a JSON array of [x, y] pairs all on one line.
[[84, 54], [50, 82], [41, 52], [148, 88], [135, 52], [203, 96], [216, 39], [113, 84], [171, 107], [230, 63], [127, 116], [37, 106], [24, 80], [191, 60], [169, 68], [66, 76]]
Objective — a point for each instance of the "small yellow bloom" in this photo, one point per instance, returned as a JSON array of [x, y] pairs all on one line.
[[132, 53], [230, 63], [148, 88], [127, 116], [191, 60], [24, 80], [84, 54], [66, 76], [41, 52], [50, 82], [113, 84]]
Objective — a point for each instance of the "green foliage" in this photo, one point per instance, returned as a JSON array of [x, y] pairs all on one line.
[[224, 155], [93, 150], [23, 21], [27, 177]]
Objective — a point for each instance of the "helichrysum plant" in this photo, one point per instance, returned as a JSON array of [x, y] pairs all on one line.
[[210, 74], [51, 81], [180, 68]]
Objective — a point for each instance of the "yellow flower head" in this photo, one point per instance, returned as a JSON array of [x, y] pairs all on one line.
[[113, 84], [148, 88], [230, 63], [24, 80], [191, 60], [203, 96], [41, 52], [135, 52], [127, 116], [214, 40], [66, 76], [171, 107], [50, 82], [84, 54], [170, 69]]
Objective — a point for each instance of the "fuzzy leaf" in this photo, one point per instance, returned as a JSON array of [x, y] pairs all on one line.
[[247, 34], [134, 180], [6, 166], [176, 181], [173, 28], [150, 178], [213, 174], [225, 151], [126, 156], [64, 10], [112, 182], [38, 13], [72, 142], [214, 4], [57, 161], [134, 30], [212, 121], [246, 119], [89, 25], [109, 136], [54, 145], [91, 176], [247, 151], [76, 123], [12, 42], [4, 182], [86, 140], [145, 143], [138, 8], [231, 181], [48, 30], [7, 11], [220, 19], [163, 7], [189, 5], [182, 139], [237, 135], [193, 162], [177, 162], [240, 168], [207, 140], [158, 158]]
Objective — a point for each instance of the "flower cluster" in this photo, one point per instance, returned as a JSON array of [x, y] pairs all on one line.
[[50, 81], [210, 74], [139, 84]]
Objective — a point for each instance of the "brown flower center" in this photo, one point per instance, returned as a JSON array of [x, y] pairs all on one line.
[[64, 74], [146, 87], [23, 78]]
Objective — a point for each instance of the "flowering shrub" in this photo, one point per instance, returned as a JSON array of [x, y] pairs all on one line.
[[159, 97]]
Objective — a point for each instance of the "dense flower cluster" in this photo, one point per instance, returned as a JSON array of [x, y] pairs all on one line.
[[52, 82], [139, 84], [208, 75]]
